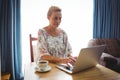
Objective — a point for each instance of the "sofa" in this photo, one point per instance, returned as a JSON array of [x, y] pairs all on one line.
[[111, 55]]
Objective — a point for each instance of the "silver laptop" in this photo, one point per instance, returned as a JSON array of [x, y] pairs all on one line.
[[88, 57]]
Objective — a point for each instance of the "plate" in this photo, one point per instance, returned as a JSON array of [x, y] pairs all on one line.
[[48, 68]]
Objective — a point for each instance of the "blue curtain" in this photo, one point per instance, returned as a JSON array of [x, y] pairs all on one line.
[[10, 38], [106, 22]]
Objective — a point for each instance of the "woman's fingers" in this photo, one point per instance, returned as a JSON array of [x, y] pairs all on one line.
[[66, 60], [73, 60], [70, 60]]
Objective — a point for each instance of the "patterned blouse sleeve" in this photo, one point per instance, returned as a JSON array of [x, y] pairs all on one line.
[[41, 45], [68, 47]]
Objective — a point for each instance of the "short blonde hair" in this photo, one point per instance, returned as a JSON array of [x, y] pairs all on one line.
[[53, 9]]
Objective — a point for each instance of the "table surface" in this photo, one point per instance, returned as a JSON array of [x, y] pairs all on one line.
[[5, 76], [96, 73]]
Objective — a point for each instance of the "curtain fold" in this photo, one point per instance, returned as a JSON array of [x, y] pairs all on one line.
[[10, 38], [106, 22]]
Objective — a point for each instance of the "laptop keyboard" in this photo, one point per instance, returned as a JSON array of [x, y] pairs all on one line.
[[66, 67]]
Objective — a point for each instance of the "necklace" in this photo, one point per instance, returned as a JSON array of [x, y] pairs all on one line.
[[52, 32]]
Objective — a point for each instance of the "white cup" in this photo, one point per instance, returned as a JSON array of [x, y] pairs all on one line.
[[42, 64]]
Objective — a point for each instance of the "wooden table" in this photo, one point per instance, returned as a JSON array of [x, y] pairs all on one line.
[[96, 73], [5, 76]]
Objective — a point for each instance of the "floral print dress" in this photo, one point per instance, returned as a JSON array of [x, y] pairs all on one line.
[[57, 46]]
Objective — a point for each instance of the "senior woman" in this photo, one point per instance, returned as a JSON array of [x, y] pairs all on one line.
[[53, 42]]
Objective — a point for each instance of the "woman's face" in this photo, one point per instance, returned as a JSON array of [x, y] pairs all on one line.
[[55, 19]]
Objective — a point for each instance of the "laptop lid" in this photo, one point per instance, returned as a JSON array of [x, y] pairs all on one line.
[[88, 57]]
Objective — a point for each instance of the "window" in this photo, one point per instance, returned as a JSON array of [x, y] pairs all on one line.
[[77, 19]]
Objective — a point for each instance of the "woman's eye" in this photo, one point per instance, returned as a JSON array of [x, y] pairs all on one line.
[[57, 18]]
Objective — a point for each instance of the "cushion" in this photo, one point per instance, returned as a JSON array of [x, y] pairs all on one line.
[[113, 45], [110, 61], [105, 57]]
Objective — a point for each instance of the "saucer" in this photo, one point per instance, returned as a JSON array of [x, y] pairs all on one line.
[[48, 68]]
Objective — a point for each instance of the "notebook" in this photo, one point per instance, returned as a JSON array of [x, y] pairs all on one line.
[[88, 57]]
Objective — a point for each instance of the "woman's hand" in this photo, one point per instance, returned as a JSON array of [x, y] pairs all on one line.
[[67, 60]]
